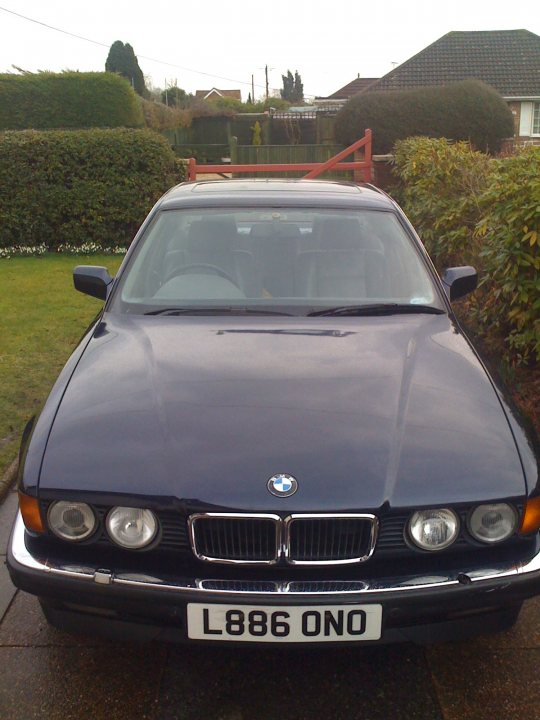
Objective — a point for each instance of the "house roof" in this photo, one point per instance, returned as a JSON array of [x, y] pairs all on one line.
[[207, 94], [353, 88], [508, 60]]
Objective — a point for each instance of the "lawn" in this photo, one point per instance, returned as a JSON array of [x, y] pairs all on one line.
[[41, 319]]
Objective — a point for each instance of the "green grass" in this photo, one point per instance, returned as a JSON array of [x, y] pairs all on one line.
[[42, 318]]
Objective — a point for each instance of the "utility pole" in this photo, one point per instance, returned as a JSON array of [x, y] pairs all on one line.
[[266, 76], [252, 88]]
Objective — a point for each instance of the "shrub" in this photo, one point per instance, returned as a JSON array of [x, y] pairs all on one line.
[[470, 209], [441, 185], [160, 117], [468, 110], [510, 233], [75, 187], [67, 100]]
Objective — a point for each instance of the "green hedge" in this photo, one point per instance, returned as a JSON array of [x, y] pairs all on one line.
[[46, 100], [441, 182], [468, 110], [510, 251], [471, 209], [80, 186]]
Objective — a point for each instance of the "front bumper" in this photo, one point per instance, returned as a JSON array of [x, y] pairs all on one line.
[[415, 607]]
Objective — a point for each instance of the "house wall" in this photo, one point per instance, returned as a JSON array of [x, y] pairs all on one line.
[[521, 110]]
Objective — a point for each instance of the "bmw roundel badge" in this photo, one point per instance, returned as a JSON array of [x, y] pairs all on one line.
[[282, 485]]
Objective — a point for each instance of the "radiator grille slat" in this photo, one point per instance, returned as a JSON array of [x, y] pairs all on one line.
[[329, 539], [235, 539]]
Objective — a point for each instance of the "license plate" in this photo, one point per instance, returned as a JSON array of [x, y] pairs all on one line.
[[278, 623]]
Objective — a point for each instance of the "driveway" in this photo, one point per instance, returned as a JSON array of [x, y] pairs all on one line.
[[48, 674]]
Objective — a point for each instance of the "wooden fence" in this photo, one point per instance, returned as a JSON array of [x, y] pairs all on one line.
[[285, 155]]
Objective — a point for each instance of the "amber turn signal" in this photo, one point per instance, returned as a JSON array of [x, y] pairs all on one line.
[[531, 517], [31, 515]]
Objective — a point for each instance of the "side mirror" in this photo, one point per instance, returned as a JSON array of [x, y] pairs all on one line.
[[92, 280], [459, 281]]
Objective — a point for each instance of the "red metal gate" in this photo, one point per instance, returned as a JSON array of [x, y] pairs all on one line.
[[314, 169]]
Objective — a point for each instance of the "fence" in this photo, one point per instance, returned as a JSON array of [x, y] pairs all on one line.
[[363, 167], [286, 154]]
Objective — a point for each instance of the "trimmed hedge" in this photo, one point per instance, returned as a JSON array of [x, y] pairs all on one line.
[[46, 100], [472, 209], [468, 110], [73, 187]]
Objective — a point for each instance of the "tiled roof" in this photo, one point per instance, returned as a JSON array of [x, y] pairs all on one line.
[[508, 60], [352, 88], [202, 94]]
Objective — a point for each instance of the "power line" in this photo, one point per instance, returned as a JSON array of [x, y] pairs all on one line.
[[143, 57]]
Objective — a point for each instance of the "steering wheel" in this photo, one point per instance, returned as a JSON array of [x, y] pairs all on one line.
[[214, 270]]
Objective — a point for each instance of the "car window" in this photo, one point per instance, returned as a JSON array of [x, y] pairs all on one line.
[[299, 258]]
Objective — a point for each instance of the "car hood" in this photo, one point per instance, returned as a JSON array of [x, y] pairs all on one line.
[[362, 411]]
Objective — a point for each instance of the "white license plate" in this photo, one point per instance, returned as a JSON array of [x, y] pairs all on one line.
[[278, 623]]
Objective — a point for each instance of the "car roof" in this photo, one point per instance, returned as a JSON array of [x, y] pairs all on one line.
[[273, 192]]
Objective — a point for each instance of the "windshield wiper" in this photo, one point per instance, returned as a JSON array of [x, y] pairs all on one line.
[[377, 309], [209, 310]]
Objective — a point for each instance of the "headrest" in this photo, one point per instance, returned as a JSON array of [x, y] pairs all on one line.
[[215, 234], [336, 233]]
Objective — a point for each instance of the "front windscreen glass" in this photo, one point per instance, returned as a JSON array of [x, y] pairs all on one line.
[[291, 259]]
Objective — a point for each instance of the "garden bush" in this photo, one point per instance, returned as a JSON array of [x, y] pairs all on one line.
[[73, 187], [440, 187], [468, 110], [46, 100], [472, 209], [510, 252], [161, 117]]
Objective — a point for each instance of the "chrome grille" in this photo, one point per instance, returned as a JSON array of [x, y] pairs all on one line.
[[229, 538], [298, 539], [321, 539]]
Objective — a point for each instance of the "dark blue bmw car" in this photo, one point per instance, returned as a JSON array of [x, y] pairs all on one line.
[[276, 431]]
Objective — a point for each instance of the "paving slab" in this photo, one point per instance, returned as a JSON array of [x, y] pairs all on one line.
[[75, 683], [345, 683], [486, 684]]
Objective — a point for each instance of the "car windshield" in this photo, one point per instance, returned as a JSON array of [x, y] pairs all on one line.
[[290, 260]]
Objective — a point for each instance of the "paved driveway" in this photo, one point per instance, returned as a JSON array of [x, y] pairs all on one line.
[[48, 674]]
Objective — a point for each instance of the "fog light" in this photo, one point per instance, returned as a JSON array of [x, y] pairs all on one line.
[[131, 528], [434, 529], [71, 520], [493, 523]]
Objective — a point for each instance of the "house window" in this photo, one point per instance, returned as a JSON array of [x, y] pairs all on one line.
[[536, 119]]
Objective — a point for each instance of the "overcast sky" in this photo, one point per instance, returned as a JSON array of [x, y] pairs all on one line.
[[329, 42]]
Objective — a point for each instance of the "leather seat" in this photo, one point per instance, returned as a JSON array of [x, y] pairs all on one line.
[[275, 248], [212, 242], [345, 264]]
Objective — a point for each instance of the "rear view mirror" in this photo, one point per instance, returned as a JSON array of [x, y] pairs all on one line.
[[459, 281], [93, 280]]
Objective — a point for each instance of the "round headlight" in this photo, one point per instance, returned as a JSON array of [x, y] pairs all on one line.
[[434, 529], [71, 520], [131, 528], [493, 523]]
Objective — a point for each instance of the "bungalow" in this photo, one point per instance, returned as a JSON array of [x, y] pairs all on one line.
[[508, 60]]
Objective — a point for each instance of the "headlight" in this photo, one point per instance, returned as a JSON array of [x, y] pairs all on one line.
[[71, 520], [131, 528], [434, 529], [493, 523]]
